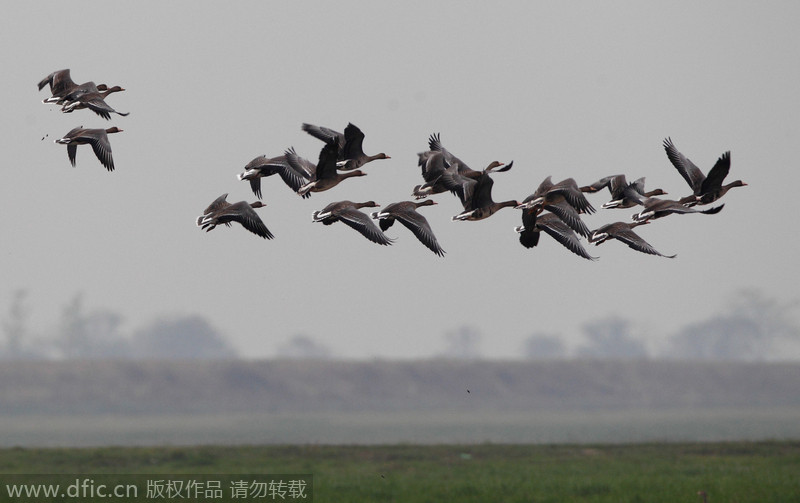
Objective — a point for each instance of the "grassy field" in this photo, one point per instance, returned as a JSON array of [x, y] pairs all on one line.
[[655, 472], [438, 427]]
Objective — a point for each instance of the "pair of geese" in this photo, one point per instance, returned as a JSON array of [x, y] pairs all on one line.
[[444, 172], [72, 96]]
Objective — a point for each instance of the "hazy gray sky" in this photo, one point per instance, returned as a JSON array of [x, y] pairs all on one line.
[[568, 89]]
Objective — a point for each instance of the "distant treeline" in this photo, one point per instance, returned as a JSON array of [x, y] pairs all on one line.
[[168, 387], [752, 328]]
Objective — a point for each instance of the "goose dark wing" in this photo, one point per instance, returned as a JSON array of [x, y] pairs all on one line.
[[243, 213], [325, 134], [482, 192], [326, 167], [562, 233], [569, 215], [633, 240], [72, 152], [102, 149], [529, 236], [419, 226], [363, 224], [100, 107], [691, 173], [717, 174], [353, 142]]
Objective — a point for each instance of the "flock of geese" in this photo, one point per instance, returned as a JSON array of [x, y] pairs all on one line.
[[553, 208]]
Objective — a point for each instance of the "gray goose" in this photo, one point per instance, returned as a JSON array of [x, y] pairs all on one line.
[[657, 208], [353, 156], [75, 99], [534, 222], [458, 169], [406, 213], [705, 188], [476, 197], [263, 166], [442, 175], [349, 154], [97, 138], [462, 180], [95, 102], [433, 167], [623, 231], [564, 199], [565, 190], [347, 212], [61, 85], [623, 194], [326, 176], [222, 212]]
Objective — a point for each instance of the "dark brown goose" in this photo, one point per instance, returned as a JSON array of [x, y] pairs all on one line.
[[558, 198], [263, 166], [623, 231], [222, 212], [97, 138], [457, 168], [561, 208], [462, 180], [549, 193], [623, 194], [657, 208], [705, 188], [61, 85], [406, 212], [353, 156], [326, 176], [476, 197], [442, 176], [75, 99], [347, 212], [433, 167], [95, 102], [534, 222]]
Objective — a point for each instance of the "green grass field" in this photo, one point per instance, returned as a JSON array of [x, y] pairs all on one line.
[[669, 472]]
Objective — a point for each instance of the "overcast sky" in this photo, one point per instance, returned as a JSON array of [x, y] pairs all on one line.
[[568, 89]]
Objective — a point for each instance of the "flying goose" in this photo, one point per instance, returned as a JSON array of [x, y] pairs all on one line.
[[95, 102], [476, 197], [263, 166], [565, 190], [658, 208], [347, 212], [623, 231], [533, 222], [623, 194], [558, 199], [406, 213], [705, 188], [97, 138], [353, 156], [222, 212], [349, 145], [326, 176], [61, 85]]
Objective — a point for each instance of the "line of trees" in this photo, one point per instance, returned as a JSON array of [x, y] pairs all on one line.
[[82, 334], [753, 328]]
